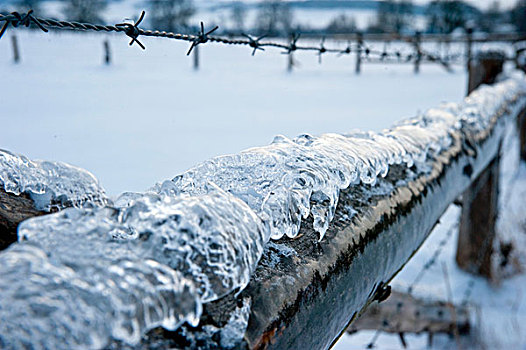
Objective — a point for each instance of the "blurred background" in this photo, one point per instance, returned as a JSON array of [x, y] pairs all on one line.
[[134, 118]]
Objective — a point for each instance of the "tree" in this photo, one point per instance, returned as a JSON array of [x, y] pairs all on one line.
[[444, 16], [238, 16], [342, 24], [274, 18], [393, 16], [491, 18], [84, 10], [518, 16], [171, 15]]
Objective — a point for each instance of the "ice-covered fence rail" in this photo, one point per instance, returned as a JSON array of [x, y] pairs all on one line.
[[30, 188], [49, 184], [196, 243], [304, 293]]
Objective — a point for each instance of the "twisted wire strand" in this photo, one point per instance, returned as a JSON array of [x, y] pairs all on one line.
[[132, 30]]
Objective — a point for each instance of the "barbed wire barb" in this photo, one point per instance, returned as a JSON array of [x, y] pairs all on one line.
[[133, 31], [254, 42], [293, 43], [322, 49], [16, 19], [202, 37]]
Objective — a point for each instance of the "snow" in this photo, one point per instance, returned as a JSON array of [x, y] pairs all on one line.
[[149, 116]]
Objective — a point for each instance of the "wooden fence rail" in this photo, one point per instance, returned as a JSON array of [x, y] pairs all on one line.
[[306, 292]]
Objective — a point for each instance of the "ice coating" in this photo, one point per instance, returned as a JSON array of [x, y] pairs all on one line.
[[290, 179], [186, 251], [231, 334], [47, 304], [209, 225], [50, 184]]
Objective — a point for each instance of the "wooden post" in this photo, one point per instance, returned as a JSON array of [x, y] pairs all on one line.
[[485, 69], [14, 210], [16, 51], [480, 200], [358, 68], [477, 222], [520, 59], [290, 62], [418, 52], [522, 131], [107, 52], [196, 57], [469, 47]]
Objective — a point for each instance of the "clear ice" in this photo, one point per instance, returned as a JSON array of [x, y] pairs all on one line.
[[49, 184], [291, 179], [85, 275], [148, 261]]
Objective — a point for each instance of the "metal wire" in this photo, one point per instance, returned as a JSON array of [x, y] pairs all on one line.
[[425, 268], [133, 31]]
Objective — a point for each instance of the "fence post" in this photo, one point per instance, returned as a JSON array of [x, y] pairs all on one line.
[[107, 52], [418, 52], [196, 57], [485, 69], [522, 131], [520, 59], [358, 68], [469, 47], [480, 200], [520, 63], [16, 51], [290, 62]]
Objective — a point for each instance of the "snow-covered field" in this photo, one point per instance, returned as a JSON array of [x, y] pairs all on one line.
[[149, 116]]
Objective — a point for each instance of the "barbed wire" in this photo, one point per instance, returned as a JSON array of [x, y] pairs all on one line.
[[410, 289], [133, 31], [466, 295], [432, 260]]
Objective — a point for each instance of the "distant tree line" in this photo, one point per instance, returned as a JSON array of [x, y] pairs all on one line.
[[445, 16], [393, 17], [441, 16]]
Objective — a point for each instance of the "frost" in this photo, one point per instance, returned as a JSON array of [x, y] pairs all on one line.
[[291, 179], [50, 184]]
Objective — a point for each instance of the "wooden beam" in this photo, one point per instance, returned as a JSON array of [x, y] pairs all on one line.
[[14, 210], [305, 293], [403, 313]]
